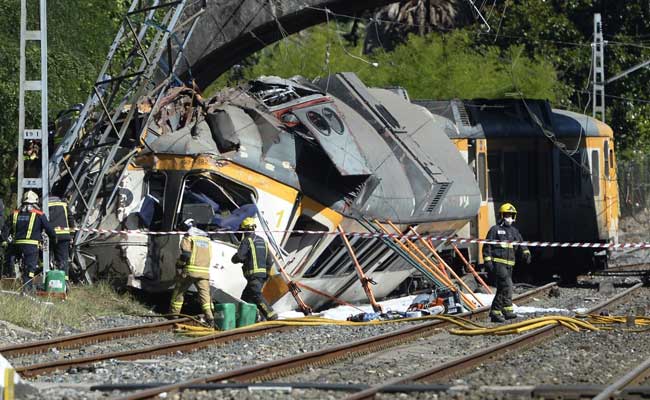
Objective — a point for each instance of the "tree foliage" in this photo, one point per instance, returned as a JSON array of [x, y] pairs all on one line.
[[436, 66], [79, 34]]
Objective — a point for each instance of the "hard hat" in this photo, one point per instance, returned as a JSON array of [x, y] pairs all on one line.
[[189, 223], [30, 197], [248, 223], [507, 208]]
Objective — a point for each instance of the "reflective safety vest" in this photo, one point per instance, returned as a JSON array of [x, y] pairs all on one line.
[[28, 225], [254, 253], [504, 253], [200, 254], [60, 219]]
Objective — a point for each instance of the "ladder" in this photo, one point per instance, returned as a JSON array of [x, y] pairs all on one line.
[[35, 177], [141, 62]]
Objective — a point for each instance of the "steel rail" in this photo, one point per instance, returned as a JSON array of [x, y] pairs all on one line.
[[80, 339], [636, 375], [569, 391], [476, 358], [331, 354], [151, 351]]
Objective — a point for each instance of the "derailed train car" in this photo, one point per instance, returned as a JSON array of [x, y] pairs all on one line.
[[299, 156], [556, 166]]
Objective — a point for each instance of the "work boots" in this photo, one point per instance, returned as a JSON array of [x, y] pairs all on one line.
[[497, 316], [508, 313]]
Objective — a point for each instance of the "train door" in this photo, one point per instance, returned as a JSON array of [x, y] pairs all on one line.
[[482, 224], [575, 214], [610, 184]]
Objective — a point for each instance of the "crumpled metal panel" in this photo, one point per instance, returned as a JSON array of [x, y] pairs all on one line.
[[328, 127]]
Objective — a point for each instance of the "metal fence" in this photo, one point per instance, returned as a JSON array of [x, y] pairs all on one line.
[[634, 199]]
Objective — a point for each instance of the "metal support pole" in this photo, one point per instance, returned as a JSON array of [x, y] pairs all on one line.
[[365, 281], [598, 48]]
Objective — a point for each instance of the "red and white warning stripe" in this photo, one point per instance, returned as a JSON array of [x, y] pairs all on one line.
[[456, 240]]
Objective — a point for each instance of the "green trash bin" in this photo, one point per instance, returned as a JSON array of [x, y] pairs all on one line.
[[247, 314], [224, 316], [55, 282]]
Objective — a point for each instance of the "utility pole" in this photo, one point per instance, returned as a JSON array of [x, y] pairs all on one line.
[[598, 48], [37, 178]]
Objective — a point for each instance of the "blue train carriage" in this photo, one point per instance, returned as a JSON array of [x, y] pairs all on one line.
[[558, 168]]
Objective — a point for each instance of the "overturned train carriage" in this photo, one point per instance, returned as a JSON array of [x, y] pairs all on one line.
[[310, 156], [556, 166]]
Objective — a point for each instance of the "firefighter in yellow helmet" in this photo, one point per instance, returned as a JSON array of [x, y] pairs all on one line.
[[500, 258], [193, 267], [254, 253]]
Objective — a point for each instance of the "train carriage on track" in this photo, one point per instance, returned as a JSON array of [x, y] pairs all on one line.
[[557, 167]]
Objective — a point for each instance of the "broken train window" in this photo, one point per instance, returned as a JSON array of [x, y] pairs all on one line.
[[214, 203], [152, 206]]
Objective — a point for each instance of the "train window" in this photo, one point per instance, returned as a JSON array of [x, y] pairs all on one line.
[[606, 155], [345, 264], [301, 246], [595, 172], [570, 176], [214, 202], [527, 175], [494, 176], [387, 262], [481, 171], [333, 252], [511, 167], [151, 211]]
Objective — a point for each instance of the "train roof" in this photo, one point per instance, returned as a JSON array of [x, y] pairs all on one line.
[[480, 118]]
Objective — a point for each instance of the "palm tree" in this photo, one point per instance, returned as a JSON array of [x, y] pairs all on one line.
[[391, 24]]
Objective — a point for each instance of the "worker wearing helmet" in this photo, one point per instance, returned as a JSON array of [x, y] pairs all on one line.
[[254, 253], [500, 258], [61, 220], [193, 268], [27, 224]]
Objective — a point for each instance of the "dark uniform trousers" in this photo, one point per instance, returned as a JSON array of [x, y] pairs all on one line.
[[253, 294], [62, 256], [253, 252], [502, 257], [503, 297], [29, 254]]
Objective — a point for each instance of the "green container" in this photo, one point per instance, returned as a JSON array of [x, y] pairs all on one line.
[[55, 281], [224, 316], [247, 314]]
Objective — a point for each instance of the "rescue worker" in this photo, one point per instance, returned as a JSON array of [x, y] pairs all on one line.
[[193, 267], [61, 220], [499, 259], [28, 222], [254, 253]]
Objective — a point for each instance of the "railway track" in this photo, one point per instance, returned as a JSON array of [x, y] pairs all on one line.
[[86, 338], [637, 375], [293, 364], [151, 351], [460, 364]]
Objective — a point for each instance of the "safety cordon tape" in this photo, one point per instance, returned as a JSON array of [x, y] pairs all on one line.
[[378, 235]]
